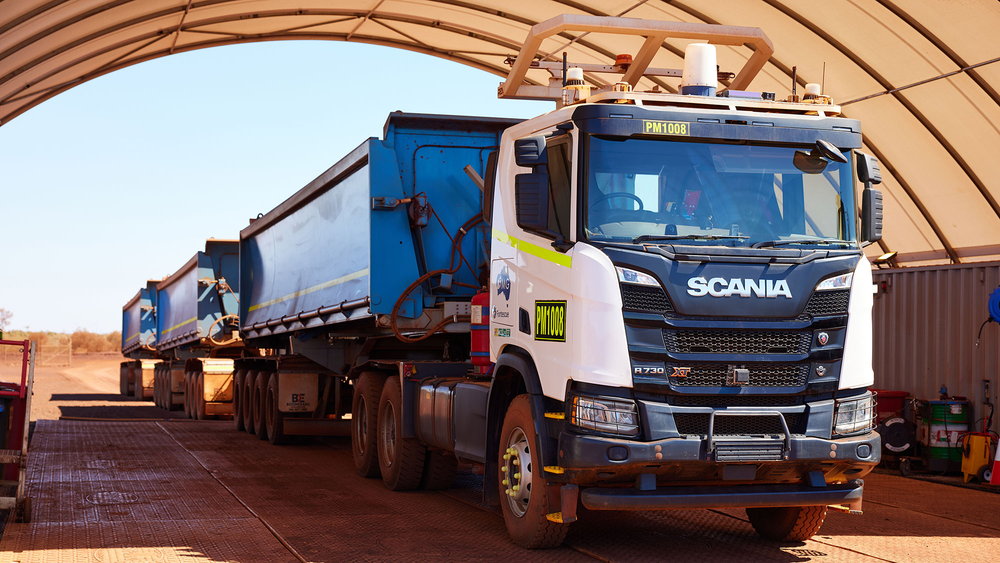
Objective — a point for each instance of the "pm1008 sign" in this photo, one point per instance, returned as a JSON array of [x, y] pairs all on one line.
[[550, 321]]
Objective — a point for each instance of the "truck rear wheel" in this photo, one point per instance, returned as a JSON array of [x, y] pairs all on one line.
[[400, 460], [789, 523], [247, 398], [237, 389], [525, 497], [439, 470], [273, 417], [259, 396], [364, 421]]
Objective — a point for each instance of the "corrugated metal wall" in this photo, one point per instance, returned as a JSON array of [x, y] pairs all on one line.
[[926, 323]]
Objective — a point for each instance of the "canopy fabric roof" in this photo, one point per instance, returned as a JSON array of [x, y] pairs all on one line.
[[921, 75]]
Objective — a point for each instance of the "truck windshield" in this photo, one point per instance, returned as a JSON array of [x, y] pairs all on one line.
[[719, 194]]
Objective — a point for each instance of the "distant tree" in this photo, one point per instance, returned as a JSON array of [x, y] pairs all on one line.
[[5, 317]]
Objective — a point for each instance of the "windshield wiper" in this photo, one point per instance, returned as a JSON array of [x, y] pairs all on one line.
[[798, 241], [645, 238]]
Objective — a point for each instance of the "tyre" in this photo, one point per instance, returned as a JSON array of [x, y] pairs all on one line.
[[905, 467], [525, 497], [259, 395], [273, 418], [790, 523], [247, 399], [985, 473], [198, 396], [400, 460], [237, 389], [439, 470], [364, 420], [187, 394]]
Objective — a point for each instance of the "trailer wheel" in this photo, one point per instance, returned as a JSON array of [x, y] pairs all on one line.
[[439, 470], [138, 391], [198, 399], [247, 398], [273, 417], [259, 395], [526, 497], [790, 523], [156, 385], [187, 394], [237, 389], [401, 460], [364, 420]]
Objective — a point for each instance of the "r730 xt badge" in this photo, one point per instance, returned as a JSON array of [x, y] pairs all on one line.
[[550, 321]]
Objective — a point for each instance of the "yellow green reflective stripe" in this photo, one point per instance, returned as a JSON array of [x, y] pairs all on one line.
[[308, 290], [534, 250], [136, 335], [178, 325]]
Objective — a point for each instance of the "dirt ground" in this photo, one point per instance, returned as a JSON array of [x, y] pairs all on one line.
[[86, 389]]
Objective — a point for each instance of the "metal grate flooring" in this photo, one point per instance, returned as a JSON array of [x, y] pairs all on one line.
[[200, 491]]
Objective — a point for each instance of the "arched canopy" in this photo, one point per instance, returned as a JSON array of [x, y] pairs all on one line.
[[921, 75]]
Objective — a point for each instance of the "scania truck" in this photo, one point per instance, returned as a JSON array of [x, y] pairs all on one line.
[[641, 300]]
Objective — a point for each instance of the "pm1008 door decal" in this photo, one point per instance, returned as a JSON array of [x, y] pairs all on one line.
[[550, 321]]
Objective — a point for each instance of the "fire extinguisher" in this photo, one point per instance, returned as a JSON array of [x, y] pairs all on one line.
[[480, 348]]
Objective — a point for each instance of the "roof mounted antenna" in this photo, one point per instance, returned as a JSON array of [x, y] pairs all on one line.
[[517, 86]]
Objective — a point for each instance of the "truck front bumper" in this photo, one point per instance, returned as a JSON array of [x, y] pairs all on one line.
[[692, 472]]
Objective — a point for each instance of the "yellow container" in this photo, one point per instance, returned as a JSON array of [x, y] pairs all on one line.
[[977, 455]]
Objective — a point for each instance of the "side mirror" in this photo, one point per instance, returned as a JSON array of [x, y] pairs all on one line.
[[530, 151], [871, 199], [868, 170], [531, 200], [871, 215]]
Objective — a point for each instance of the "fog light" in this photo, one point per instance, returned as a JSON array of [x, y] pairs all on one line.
[[617, 453], [864, 450]]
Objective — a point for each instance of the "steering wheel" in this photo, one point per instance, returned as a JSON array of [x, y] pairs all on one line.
[[613, 195]]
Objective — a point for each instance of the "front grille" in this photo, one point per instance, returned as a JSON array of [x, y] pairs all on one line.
[[829, 302], [733, 400], [645, 298], [742, 425], [761, 375], [736, 341]]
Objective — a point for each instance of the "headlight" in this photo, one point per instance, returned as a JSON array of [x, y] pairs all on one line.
[[614, 416], [626, 275], [843, 281], [854, 415]]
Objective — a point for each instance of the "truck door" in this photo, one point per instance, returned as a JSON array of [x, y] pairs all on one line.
[[530, 278]]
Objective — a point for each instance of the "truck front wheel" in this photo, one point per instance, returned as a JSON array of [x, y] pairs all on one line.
[[525, 497], [364, 419], [790, 523]]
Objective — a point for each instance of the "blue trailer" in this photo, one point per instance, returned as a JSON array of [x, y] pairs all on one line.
[[374, 261], [196, 332], [138, 341]]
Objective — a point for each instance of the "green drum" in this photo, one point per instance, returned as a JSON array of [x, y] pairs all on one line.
[[941, 425]]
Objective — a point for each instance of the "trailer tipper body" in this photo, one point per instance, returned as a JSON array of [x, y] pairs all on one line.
[[135, 375], [197, 339], [638, 301]]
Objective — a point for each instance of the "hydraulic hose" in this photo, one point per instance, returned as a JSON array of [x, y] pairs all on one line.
[[453, 266]]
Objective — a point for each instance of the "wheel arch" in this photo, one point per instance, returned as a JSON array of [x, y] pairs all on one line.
[[514, 374]]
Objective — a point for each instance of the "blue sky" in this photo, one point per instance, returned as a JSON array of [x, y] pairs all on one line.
[[124, 177]]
